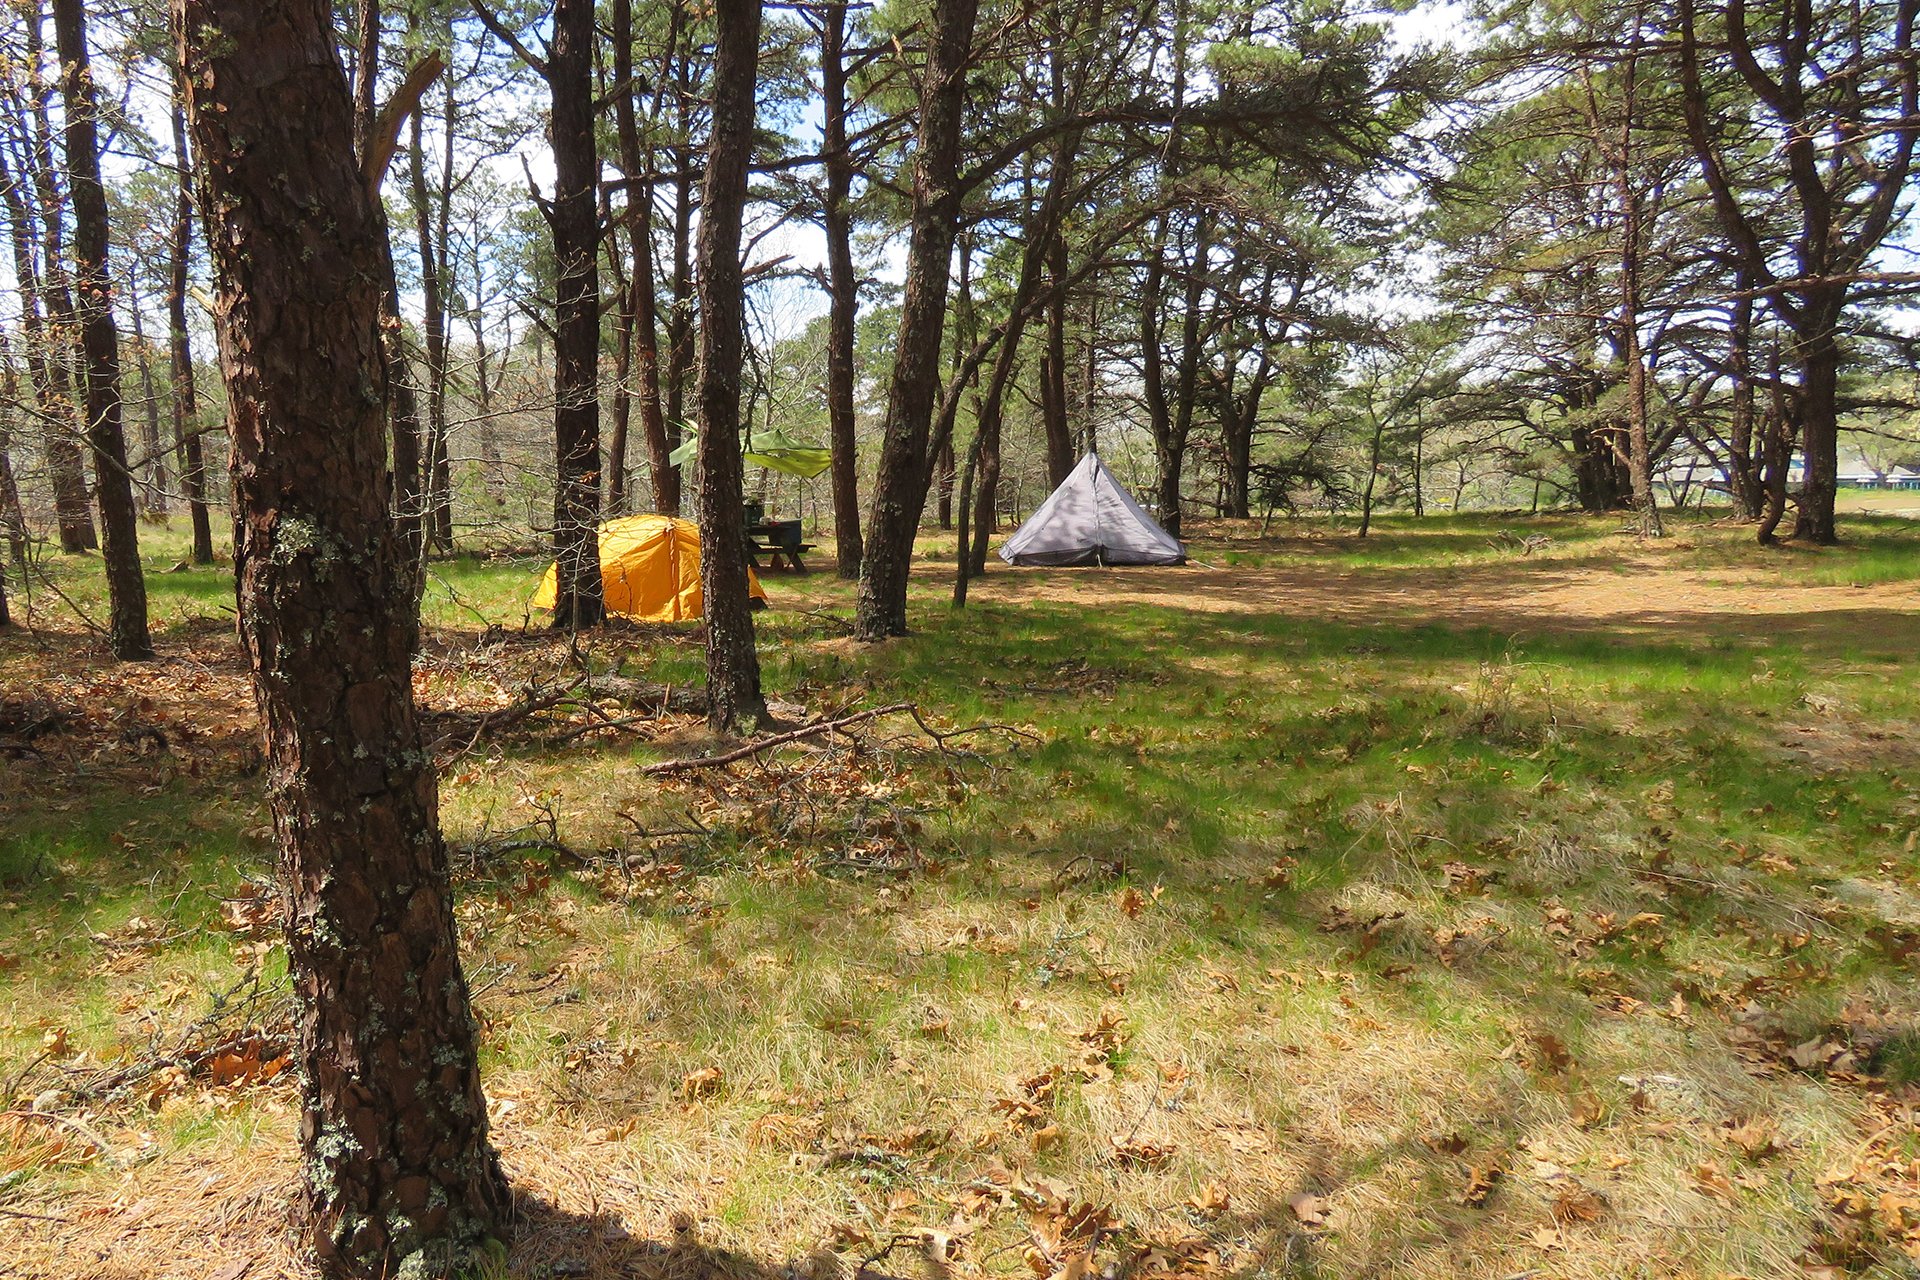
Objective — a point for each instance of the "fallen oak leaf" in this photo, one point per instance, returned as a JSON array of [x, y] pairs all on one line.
[[704, 1083], [1481, 1183], [1139, 1152], [1577, 1203], [1107, 1034], [1553, 1052], [1710, 1181], [1813, 1054], [1311, 1210], [1210, 1201], [1755, 1137]]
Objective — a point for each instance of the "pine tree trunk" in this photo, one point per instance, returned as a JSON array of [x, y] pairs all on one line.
[[154, 483], [1053, 358], [661, 439], [900, 487], [1744, 461], [62, 422], [575, 221], [492, 464], [843, 290], [1639, 447], [646, 363], [963, 556], [1777, 426], [399, 1176], [733, 668], [403, 405], [639, 336], [1373, 473], [100, 343], [943, 483], [1238, 421], [12, 518], [43, 362], [1171, 449], [1819, 360], [621, 407], [437, 509], [679, 326], [1053, 367], [186, 413]]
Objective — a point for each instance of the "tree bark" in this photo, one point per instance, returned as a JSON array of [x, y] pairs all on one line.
[[154, 482], [1817, 348], [403, 405], [1037, 258], [12, 519], [1170, 448], [679, 326], [963, 555], [639, 306], [900, 486], [733, 668], [100, 341], [843, 290], [620, 409], [621, 93], [646, 361], [1054, 410], [399, 1176], [1776, 457], [65, 470], [437, 504], [1744, 460], [1632, 214], [1239, 420], [942, 462], [49, 353], [1600, 472], [1373, 471], [575, 221], [1053, 369], [186, 412], [1160, 411]]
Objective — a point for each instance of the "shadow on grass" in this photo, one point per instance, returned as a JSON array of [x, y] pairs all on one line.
[[549, 1241]]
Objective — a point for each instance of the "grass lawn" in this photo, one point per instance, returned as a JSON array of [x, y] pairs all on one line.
[[1426, 905]]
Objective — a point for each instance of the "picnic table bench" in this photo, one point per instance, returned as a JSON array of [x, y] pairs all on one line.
[[781, 542]]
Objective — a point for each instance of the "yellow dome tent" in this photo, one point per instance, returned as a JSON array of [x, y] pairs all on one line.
[[650, 570]]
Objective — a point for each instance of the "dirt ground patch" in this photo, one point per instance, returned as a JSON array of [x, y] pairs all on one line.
[[1645, 594]]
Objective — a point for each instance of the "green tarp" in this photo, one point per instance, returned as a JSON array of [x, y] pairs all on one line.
[[775, 450]]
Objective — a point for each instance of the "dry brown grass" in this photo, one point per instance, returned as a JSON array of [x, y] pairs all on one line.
[[941, 1009]]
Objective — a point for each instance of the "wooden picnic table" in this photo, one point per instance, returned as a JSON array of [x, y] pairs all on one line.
[[780, 541]]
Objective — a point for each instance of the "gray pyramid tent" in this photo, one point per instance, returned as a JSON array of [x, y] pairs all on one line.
[[1091, 519]]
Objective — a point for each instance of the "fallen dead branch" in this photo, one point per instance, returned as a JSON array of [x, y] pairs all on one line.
[[582, 694], [248, 1015], [693, 827], [940, 737], [532, 702], [80, 1127]]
